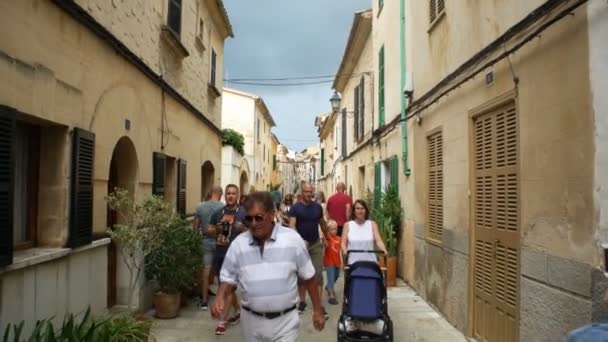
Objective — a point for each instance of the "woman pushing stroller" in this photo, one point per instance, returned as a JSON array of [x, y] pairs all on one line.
[[361, 233], [365, 307]]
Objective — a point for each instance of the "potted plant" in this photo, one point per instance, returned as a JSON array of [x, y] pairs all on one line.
[[173, 265], [386, 211], [392, 210], [138, 230]]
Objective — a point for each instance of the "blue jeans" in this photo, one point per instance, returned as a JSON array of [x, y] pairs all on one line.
[[333, 273]]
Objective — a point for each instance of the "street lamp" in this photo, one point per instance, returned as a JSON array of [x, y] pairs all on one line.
[[335, 102]]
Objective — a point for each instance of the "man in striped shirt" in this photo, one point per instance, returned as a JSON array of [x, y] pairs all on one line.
[[265, 263]]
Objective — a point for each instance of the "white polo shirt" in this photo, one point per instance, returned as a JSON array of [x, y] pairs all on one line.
[[268, 279]]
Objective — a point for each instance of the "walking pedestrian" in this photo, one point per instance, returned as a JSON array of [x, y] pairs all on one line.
[[361, 233], [268, 298], [339, 207], [201, 221], [332, 260], [306, 217], [284, 215], [227, 223]]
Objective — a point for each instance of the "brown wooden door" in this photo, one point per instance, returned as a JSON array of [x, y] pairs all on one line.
[[112, 256], [496, 220]]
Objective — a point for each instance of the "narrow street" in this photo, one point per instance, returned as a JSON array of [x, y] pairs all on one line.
[[414, 320]]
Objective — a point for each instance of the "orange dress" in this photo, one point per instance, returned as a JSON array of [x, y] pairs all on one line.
[[332, 252]]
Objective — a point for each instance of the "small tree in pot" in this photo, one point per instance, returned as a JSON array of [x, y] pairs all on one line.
[[173, 265], [137, 232]]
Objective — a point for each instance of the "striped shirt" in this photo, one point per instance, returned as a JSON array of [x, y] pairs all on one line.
[[268, 278]]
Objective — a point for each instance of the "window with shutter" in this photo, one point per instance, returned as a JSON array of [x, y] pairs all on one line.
[[7, 155], [356, 120], [159, 165], [381, 88], [343, 142], [361, 124], [81, 186], [181, 186], [274, 162], [174, 19], [377, 184], [496, 220], [395, 172], [213, 67], [435, 187], [322, 162], [436, 9]]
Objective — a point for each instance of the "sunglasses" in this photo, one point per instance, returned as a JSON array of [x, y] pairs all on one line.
[[257, 218]]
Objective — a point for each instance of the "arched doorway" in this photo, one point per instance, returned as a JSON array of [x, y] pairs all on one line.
[[244, 182], [207, 179], [123, 174]]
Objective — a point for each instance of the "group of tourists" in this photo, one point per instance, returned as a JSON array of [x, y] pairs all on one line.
[[274, 253]]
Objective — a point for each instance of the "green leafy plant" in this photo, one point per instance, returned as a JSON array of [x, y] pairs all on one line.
[[123, 328], [233, 138], [174, 263], [385, 209], [119, 328], [391, 207], [138, 230]]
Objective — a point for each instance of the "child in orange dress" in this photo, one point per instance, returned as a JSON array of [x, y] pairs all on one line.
[[332, 260]]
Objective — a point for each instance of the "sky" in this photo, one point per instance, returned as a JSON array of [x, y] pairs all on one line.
[[289, 38]]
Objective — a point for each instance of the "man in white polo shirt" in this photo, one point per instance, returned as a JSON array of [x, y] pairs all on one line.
[[265, 263]]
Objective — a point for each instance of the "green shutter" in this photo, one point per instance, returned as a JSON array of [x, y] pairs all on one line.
[[377, 184], [395, 172], [274, 162], [380, 4], [381, 88], [322, 162]]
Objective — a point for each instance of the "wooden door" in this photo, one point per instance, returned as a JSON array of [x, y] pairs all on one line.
[[496, 219]]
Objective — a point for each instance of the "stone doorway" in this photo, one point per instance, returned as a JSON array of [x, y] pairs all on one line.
[[123, 174], [207, 179]]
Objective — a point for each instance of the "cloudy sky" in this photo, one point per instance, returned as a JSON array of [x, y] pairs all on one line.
[[289, 38]]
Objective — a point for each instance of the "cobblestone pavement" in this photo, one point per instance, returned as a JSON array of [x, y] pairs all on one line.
[[413, 318]]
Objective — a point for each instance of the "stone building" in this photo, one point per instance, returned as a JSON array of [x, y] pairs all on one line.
[[97, 95], [506, 202], [247, 113]]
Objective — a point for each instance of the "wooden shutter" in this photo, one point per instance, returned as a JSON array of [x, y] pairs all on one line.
[[344, 132], [213, 69], [432, 10], [181, 186], [322, 161], [174, 20], [356, 120], [81, 197], [7, 161], [435, 187], [381, 88], [440, 7], [377, 184], [159, 165], [496, 219], [395, 172], [362, 108]]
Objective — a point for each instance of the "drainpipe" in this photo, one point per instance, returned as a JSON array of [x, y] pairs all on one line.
[[406, 168]]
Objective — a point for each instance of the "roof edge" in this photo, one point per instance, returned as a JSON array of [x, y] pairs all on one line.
[[355, 31]]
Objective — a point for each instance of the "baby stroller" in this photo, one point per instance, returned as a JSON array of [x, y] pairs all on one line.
[[364, 307]]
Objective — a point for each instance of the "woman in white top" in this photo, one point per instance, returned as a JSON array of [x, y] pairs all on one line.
[[361, 234]]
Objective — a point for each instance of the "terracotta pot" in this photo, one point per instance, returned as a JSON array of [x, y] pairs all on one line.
[[166, 304], [391, 271]]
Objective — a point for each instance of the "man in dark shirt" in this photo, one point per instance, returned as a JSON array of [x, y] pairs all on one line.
[[226, 224], [339, 206], [306, 217]]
